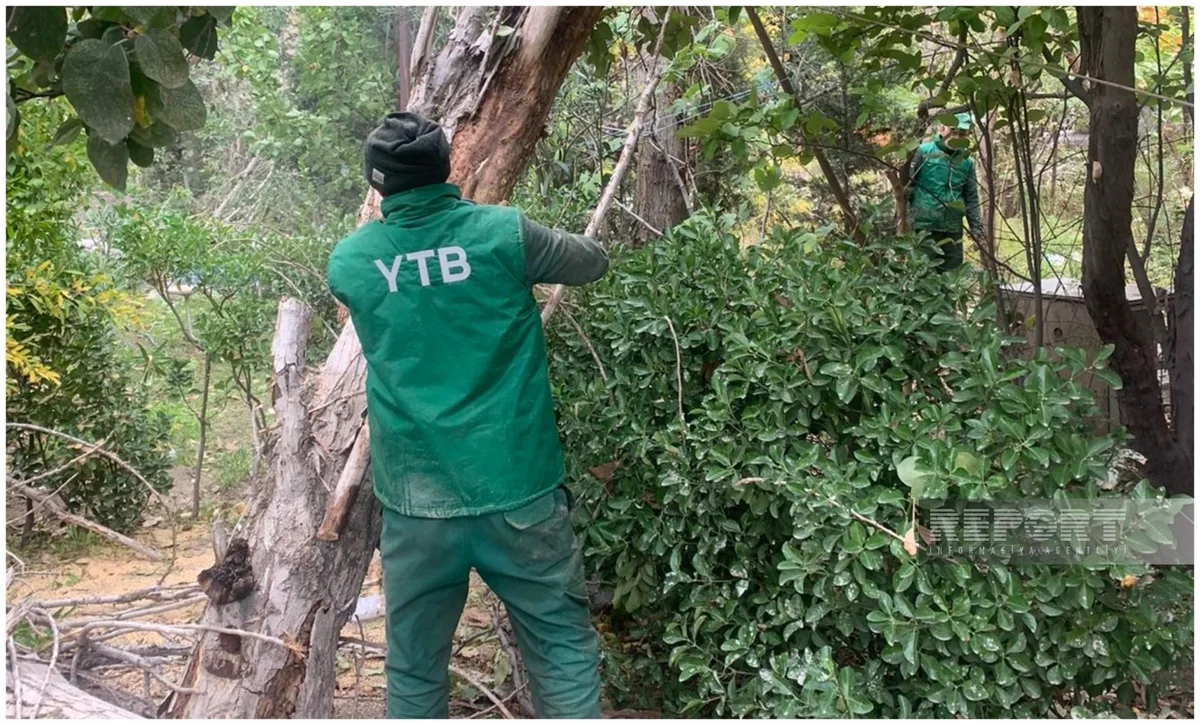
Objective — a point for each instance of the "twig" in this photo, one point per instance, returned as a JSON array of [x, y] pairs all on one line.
[[490, 708], [633, 214], [136, 612], [37, 706], [481, 634], [16, 675], [586, 341], [479, 686], [866, 520], [47, 474], [514, 659], [154, 593], [15, 615], [181, 630], [117, 460], [678, 372], [31, 510], [854, 514], [146, 665], [610, 190]]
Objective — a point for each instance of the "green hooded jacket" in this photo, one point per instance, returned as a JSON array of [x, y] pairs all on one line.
[[458, 394], [942, 190]]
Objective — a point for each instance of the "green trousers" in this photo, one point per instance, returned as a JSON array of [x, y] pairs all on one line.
[[947, 246], [530, 559]]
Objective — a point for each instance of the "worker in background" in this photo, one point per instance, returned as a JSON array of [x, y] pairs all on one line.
[[943, 189], [464, 448]]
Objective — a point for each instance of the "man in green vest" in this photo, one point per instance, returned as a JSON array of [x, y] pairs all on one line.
[[464, 449], [943, 189]]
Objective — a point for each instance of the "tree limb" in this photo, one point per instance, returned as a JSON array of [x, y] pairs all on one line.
[[45, 500], [614, 182], [1074, 86], [831, 178]]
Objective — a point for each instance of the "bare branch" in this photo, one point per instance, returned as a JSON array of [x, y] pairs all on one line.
[[830, 174], [610, 190], [479, 686], [58, 510], [678, 372], [37, 707]]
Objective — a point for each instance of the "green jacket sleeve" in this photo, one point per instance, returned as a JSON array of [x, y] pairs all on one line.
[[971, 200], [333, 276], [553, 256]]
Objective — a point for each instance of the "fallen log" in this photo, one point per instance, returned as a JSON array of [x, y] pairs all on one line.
[[61, 700], [49, 503]]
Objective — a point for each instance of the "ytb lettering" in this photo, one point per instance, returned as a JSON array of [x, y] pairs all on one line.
[[451, 260]]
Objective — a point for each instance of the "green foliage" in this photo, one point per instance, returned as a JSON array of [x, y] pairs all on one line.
[[816, 378], [304, 87], [124, 70], [241, 279], [64, 364]]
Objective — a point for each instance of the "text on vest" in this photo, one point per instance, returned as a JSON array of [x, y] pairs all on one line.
[[452, 260]]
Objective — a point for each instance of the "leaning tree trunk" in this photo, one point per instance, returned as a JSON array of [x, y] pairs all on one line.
[[1107, 36], [492, 95], [660, 198]]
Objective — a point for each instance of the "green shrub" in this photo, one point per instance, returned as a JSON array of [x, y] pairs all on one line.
[[810, 368], [64, 366]]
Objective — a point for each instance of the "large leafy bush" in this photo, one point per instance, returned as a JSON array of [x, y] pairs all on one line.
[[65, 369], [715, 497]]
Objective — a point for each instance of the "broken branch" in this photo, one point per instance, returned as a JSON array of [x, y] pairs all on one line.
[[347, 487], [45, 500], [479, 686]]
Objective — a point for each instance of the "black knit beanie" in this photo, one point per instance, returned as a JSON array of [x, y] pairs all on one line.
[[404, 152]]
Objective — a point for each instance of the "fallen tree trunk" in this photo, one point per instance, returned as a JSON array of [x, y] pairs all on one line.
[[48, 502], [60, 701], [491, 93]]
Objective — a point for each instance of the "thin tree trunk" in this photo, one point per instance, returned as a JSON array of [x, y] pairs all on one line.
[[1185, 43], [1182, 341], [831, 177], [658, 199], [492, 97], [1107, 36], [202, 417], [403, 58]]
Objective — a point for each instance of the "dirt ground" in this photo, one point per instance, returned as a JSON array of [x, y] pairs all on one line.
[[105, 569]]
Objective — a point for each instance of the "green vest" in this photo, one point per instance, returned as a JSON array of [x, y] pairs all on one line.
[[458, 394]]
